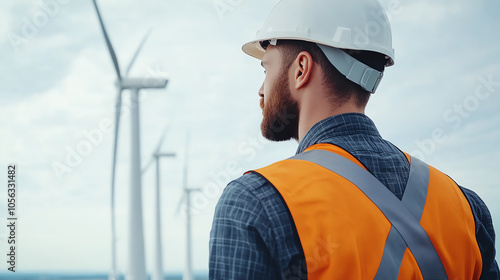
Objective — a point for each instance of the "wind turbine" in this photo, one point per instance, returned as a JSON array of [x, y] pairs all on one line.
[[158, 264], [188, 273], [136, 260]]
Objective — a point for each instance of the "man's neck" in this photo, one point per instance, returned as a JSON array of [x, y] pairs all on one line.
[[310, 114]]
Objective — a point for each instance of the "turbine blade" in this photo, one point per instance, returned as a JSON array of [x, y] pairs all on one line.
[[108, 43], [118, 110], [185, 165], [117, 128], [136, 54], [186, 148], [162, 138], [157, 150], [113, 177], [179, 205], [148, 165]]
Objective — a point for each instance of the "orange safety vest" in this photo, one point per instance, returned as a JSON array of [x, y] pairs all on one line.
[[349, 229]]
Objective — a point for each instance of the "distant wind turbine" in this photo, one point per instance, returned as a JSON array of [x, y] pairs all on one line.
[[136, 260], [188, 272], [158, 263]]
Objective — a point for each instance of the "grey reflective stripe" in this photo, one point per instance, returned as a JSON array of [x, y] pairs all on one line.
[[416, 189], [400, 217], [392, 257], [414, 200]]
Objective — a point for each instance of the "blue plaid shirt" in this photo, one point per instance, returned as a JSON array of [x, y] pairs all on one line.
[[253, 235]]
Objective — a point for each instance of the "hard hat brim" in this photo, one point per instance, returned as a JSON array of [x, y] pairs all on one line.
[[254, 49]]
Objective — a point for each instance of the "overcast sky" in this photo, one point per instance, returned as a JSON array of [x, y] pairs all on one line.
[[440, 102]]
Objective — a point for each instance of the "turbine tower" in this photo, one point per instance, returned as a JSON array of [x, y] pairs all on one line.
[[188, 272], [136, 259], [158, 261]]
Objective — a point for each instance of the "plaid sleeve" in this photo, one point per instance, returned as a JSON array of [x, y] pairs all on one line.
[[241, 232], [485, 234]]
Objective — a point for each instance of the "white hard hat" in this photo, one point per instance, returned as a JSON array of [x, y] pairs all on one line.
[[332, 24]]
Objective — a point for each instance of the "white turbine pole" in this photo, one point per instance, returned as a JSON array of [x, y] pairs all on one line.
[[136, 260], [158, 248], [189, 269], [158, 265], [188, 273], [158, 262], [136, 265]]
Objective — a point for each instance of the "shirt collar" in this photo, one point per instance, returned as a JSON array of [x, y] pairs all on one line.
[[336, 126]]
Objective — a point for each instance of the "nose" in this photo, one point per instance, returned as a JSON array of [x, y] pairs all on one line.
[[261, 90]]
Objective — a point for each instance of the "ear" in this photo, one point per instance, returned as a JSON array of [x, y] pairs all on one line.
[[302, 68]]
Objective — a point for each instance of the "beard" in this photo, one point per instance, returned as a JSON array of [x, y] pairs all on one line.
[[281, 113]]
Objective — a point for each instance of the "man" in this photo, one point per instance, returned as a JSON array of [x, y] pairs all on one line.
[[349, 205]]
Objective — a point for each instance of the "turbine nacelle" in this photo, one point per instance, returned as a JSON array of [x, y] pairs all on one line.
[[142, 83], [157, 155]]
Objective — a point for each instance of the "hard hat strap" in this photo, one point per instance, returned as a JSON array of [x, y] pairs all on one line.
[[265, 43], [354, 70]]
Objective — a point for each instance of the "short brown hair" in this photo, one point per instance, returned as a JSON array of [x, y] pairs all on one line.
[[341, 89]]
